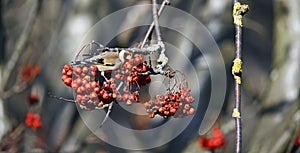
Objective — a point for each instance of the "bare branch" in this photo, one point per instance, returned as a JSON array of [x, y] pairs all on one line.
[[165, 2]]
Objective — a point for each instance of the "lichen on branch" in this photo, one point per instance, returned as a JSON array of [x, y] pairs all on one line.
[[238, 11]]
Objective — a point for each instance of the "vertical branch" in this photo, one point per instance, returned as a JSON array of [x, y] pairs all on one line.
[[238, 12], [2, 38], [165, 2], [20, 45], [155, 18]]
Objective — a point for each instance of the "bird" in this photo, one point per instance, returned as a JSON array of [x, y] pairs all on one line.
[[108, 61]]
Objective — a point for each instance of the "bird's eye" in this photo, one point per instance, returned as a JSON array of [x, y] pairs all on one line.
[[100, 61]]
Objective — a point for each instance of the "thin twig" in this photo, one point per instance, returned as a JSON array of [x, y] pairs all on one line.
[[238, 11], [155, 18], [238, 120], [165, 2]]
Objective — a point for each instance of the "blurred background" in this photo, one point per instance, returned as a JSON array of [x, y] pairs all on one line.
[[38, 37]]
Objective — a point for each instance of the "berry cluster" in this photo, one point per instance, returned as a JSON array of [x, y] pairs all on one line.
[[174, 103], [217, 139], [86, 81], [297, 141], [33, 120], [131, 76], [137, 79], [29, 72], [95, 91], [67, 75]]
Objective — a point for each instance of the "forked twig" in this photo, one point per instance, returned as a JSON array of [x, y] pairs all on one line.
[[155, 18], [165, 2]]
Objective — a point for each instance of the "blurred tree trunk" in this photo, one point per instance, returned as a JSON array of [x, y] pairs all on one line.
[[2, 37], [277, 119]]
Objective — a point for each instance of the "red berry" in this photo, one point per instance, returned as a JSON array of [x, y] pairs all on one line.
[[128, 102], [191, 111], [94, 84], [106, 86], [84, 82], [166, 113], [78, 81], [88, 87], [93, 95], [136, 61], [77, 70], [69, 73], [297, 141], [80, 90], [67, 67], [83, 100], [68, 81], [161, 109], [33, 98], [88, 78], [78, 98], [173, 110], [105, 95], [127, 65], [93, 68], [64, 72], [64, 77], [94, 73], [114, 95], [126, 97], [113, 86], [186, 106], [74, 86], [151, 115], [97, 89], [85, 70], [101, 104]]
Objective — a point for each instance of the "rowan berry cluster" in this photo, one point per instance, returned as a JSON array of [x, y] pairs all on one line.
[[67, 75], [130, 76], [297, 141], [95, 91], [33, 120], [174, 103], [85, 82], [217, 139]]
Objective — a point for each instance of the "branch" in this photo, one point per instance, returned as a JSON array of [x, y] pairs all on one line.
[[165, 2], [20, 45], [238, 12]]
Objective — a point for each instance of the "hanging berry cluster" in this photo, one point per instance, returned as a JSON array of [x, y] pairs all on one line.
[[33, 120], [130, 75], [84, 80], [96, 85], [297, 141], [176, 102], [94, 91], [216, 140]]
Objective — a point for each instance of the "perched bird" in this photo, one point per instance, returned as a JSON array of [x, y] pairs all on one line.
[[108, 61]]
